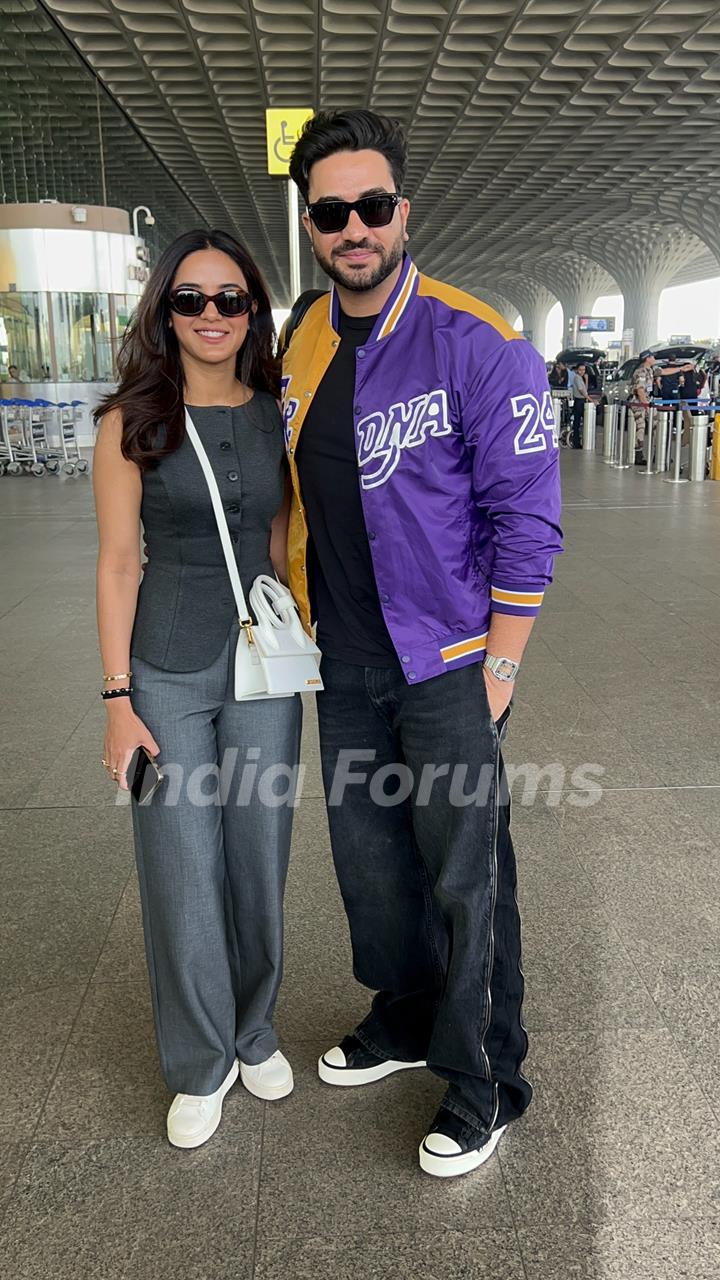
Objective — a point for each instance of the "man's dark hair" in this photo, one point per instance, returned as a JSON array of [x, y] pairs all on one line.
[[328, 132]]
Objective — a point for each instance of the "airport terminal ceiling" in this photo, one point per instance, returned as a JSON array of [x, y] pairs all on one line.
[[559, 149]]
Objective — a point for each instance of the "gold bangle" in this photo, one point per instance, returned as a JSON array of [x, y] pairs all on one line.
[[124, 675]]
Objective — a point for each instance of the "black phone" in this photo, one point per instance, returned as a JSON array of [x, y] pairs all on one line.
[[143, 776]]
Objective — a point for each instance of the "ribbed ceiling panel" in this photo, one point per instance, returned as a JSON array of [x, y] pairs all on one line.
[[537, 130]]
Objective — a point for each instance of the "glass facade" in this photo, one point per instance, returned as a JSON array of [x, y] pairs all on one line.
[[83, 346], [77, 342], [123, 305], [24, 338]]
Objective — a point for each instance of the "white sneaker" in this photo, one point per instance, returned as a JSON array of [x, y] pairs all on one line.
[[452, 1146], [270, 1079], [193, 1119]]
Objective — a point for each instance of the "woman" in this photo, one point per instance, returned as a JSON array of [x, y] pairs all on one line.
[[557, 377], [579, 388], [212, 857]]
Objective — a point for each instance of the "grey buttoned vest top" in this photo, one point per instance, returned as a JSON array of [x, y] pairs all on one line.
[[186, 605]]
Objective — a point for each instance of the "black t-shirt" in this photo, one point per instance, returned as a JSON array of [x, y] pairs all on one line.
[[342, 585]]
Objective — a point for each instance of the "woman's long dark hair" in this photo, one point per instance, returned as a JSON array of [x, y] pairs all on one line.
[[151, 387]]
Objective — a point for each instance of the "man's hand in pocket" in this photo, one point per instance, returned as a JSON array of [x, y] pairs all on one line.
[[499, 693]]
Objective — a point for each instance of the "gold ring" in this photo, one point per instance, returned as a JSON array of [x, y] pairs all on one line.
[[115, 773], [104, 763]]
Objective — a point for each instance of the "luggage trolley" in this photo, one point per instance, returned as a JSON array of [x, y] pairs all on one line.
[[66, 423], [7, 452], [25, 443], [40, 420], [17, 446]]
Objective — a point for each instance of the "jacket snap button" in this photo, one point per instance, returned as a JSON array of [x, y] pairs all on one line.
[[411, 675], [232, 475], [225, 444]]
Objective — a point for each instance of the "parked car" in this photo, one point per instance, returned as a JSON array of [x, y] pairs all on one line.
[[617, 384], [593, 359]]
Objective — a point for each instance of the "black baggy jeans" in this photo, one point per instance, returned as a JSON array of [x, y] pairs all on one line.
[[577, 422], [419, 825]]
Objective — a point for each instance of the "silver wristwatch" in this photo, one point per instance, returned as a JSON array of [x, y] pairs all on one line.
[[502, 668]]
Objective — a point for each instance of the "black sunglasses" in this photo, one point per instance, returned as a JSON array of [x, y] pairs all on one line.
[[334, 215], [192, 302]]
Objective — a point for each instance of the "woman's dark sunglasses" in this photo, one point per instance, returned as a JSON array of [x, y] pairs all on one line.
[[334, 215], [192, 302]]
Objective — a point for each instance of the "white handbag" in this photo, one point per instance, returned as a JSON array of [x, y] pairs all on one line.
[[275, 657]]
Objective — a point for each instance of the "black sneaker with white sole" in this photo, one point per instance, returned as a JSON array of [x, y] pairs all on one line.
[[452, 1146], [350, 1063]]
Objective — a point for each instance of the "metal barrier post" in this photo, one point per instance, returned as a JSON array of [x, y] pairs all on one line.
[[715, 458], [617, 434], [699, 447], [557, 411], [661, 441], [647, 470], [627, 424], [609, 429], [617, 461], [631, 439], [676, 478], [589, 419]]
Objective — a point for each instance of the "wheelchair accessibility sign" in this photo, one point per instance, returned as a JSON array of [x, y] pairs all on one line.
[[283, 128]]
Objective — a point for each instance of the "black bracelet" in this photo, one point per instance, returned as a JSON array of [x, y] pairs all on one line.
[[115, 693]]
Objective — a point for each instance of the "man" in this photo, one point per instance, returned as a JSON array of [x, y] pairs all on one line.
[[641, 391], [678, 383], [580, 395], [424, 462]]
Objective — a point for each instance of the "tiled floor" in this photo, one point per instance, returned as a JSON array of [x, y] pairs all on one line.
[[614, 1172]]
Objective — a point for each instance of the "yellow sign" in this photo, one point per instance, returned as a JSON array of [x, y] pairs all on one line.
[[715, 456], [283, 129]]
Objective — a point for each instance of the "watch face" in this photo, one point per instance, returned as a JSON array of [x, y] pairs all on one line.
[[506, 669]]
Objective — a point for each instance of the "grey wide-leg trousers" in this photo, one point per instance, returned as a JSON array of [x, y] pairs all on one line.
[[212, 852]]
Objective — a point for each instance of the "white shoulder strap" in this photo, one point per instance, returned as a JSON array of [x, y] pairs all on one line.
[[220, 518]]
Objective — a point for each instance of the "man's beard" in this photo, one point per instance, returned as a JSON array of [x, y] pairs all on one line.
[[362, 280]]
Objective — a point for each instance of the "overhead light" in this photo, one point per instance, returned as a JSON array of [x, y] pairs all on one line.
[[79, 214]]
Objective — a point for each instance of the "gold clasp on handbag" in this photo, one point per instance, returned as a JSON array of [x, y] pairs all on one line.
[[248, 627]]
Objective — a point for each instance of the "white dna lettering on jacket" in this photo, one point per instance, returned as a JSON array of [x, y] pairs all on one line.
[[290, 407], [382, 437]]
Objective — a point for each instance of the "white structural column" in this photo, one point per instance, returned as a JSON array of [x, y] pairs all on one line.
[[508, 310], [694, 209], [643, 271], [577, 282], [534, 303], [569, 276]]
